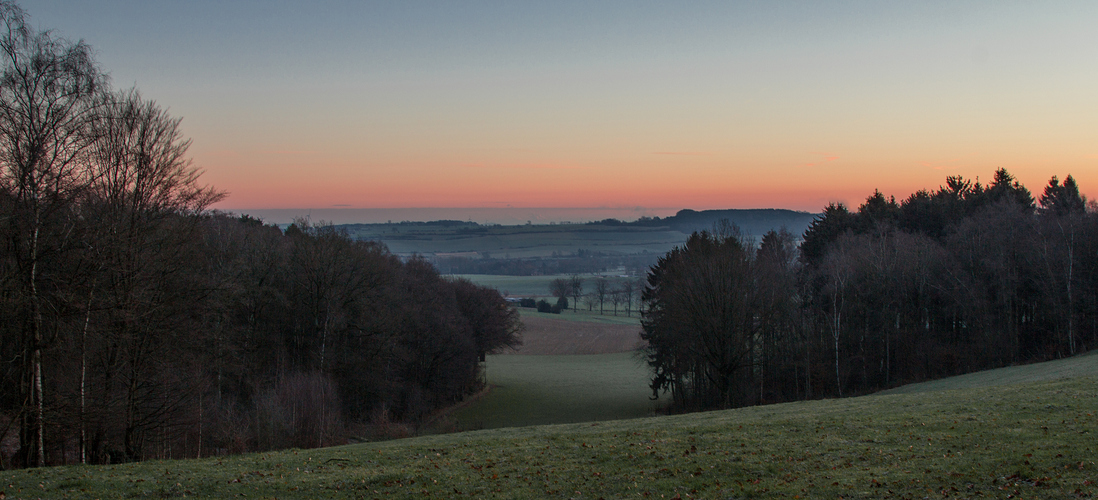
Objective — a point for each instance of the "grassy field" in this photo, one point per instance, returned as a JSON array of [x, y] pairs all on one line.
[[535, 390], [565, 371], [1033, 440], [1078, 366]]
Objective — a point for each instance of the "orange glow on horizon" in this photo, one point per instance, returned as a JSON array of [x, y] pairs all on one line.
[[664, 178], [797, 188]]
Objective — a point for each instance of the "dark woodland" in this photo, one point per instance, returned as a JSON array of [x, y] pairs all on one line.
[[137, 324], [963, 278]]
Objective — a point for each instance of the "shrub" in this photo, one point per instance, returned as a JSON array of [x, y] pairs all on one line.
[[562, 303]]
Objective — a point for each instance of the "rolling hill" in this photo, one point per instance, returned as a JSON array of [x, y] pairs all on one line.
[[1030, 439], [609, 237]]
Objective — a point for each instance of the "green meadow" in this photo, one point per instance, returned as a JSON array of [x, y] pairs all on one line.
[[535, 390], [1028, 440]]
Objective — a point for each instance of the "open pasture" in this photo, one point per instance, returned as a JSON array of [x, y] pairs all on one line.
[[1033, 440], [565, 371], [536, 390]]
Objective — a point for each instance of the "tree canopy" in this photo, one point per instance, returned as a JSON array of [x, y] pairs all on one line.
[[139, 324], [961, 278]]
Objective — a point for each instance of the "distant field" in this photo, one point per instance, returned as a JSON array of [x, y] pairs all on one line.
[[547, 334], [581, 316], [1032, 440], [544, 240], [533, 390], [520, 241], [534, 286], [565, 371]]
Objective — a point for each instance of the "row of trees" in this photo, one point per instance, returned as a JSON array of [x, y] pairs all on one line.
[[604, 293], [963, 278], [137, 324]]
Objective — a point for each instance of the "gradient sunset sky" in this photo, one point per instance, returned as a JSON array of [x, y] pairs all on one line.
[[605, 103]]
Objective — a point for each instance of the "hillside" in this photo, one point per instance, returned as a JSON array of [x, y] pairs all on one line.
[[756, 221], [1025, 440], [609, 237], [1084, 365]]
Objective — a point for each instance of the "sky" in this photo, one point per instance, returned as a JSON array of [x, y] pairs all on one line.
[[635, 106]]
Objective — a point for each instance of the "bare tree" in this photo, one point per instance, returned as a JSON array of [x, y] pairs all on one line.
[[145, 198], [575, 289], [837, 271], [775, 262], [47, 96], [627, 293], [590, 299], [140, 159], [616, 298], [602, 291], [561, 288], [1062, 215]]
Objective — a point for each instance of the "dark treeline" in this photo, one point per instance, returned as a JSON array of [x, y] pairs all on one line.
[[136, 324], [963, 278], [309, 328]]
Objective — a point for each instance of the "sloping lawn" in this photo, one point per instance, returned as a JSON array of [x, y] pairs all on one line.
[[1034, 440], [1077, 366]]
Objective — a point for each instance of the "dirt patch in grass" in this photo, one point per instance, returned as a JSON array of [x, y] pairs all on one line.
[[548, 336]]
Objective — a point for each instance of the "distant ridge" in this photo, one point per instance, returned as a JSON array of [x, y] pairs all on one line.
[[753, 221], [609, 238], [481, 215]]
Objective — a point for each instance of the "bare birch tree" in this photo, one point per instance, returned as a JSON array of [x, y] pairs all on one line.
[[47, 96]]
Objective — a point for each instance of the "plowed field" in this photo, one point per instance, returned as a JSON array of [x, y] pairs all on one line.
[[551, 336]]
